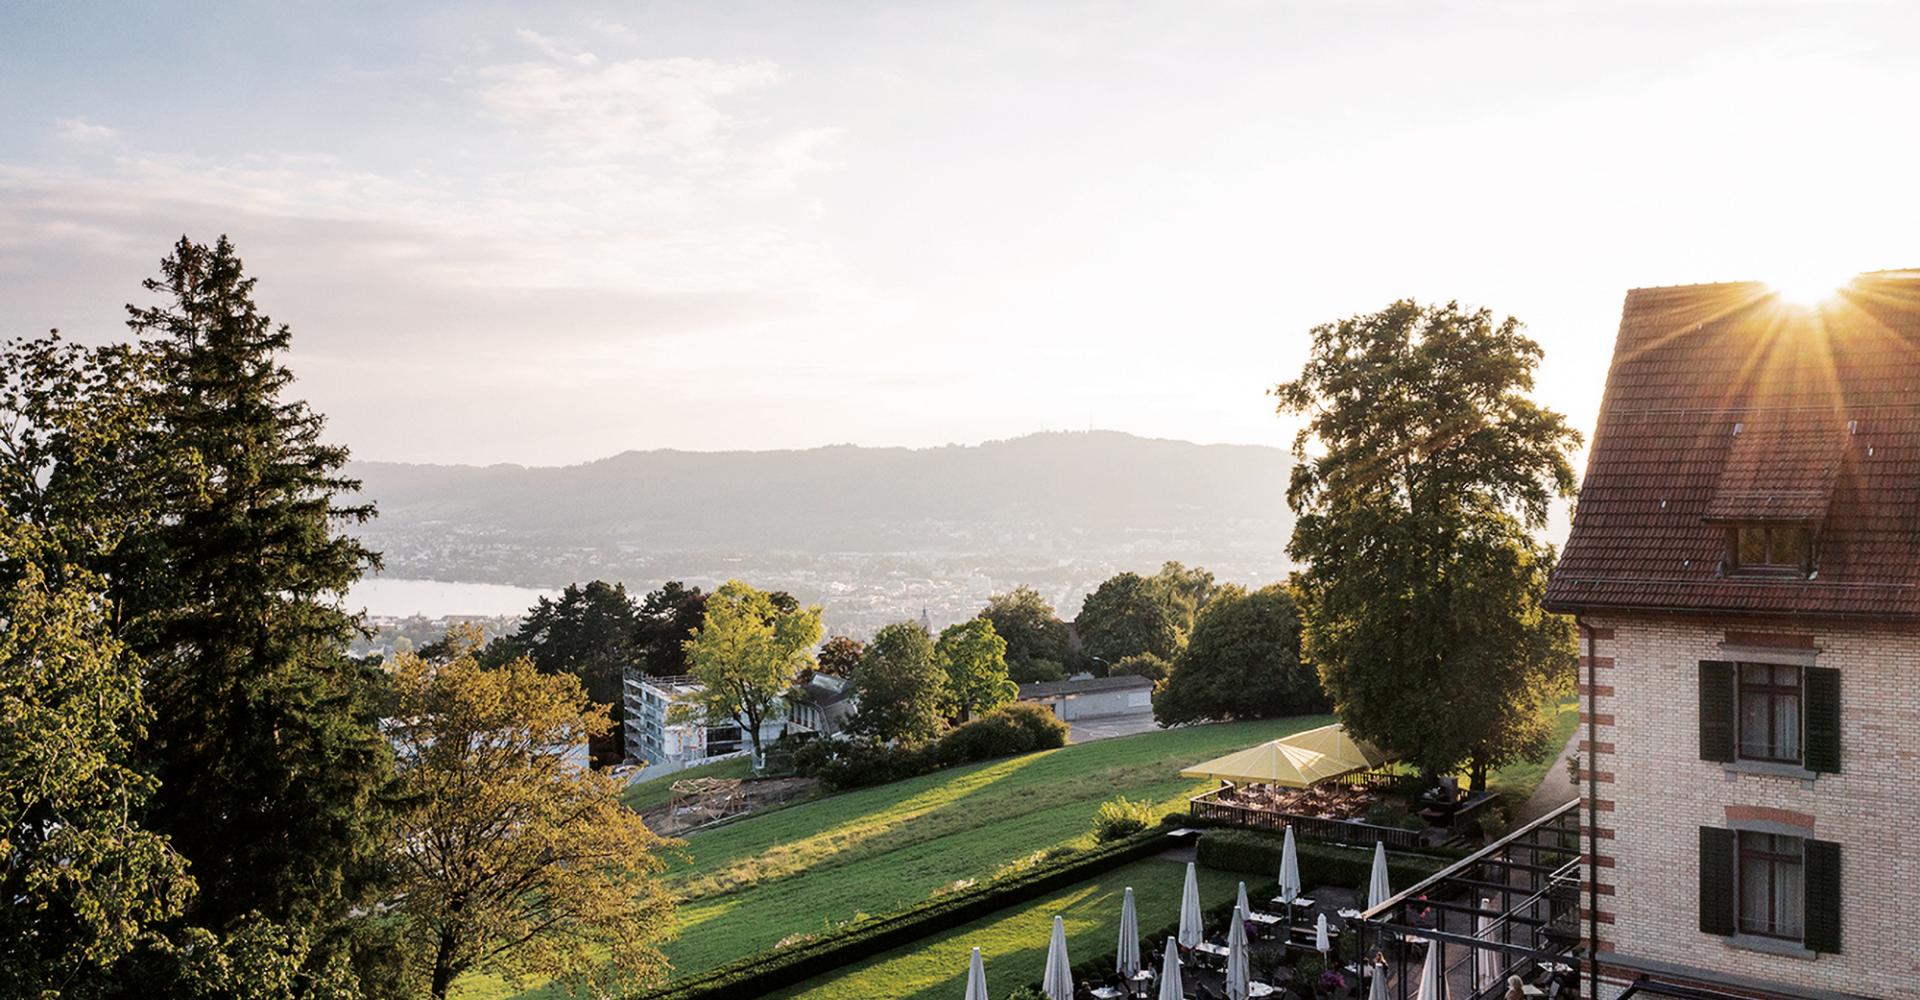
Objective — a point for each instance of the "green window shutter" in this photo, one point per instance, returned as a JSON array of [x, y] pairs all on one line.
[[1716, 710], [1822, 689], [1716, 880], [1823, 896]]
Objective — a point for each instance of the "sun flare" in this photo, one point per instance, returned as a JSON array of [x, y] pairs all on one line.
[[1809, 286]]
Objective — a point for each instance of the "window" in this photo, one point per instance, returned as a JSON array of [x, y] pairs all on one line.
[[1769, 712], [1770, 548], [1772, 885]]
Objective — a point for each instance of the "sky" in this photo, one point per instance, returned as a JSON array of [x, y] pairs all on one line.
[[549, 233]]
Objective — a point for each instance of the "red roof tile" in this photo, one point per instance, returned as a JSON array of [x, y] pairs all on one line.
[[1827, 406]]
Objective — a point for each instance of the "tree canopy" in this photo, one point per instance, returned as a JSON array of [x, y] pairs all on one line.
[[750, 648], [901, 689], [1243, 662], [1422, 468], [1130, 614], [974, 658], [669, 616], [514, 857], [839, 655], [84, 880], [1036, 638]]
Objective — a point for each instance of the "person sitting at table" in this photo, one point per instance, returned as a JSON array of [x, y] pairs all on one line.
[[1084, 991]]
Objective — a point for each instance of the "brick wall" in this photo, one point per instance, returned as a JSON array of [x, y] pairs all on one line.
[[1655, 792]]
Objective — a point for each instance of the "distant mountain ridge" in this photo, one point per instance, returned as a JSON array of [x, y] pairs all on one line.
[[1087, 492]]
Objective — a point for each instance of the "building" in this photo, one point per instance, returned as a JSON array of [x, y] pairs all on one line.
[[1089, 697], [821, 704], [666, 729], [1744, 566]]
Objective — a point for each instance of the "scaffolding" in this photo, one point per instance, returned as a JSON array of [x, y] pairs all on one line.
[[1510, 909]]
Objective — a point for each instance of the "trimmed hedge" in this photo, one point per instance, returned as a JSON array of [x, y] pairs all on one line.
[[1320, 864], [778, 968]]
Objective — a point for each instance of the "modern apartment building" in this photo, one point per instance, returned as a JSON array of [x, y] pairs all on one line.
[[1745, 567]]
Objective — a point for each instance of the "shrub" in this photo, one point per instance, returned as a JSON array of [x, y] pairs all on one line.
[[1026, 993], [1387, 812], [1004, 732], [1120, 818]]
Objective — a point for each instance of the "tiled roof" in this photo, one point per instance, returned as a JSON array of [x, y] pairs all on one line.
[[1725, 405]]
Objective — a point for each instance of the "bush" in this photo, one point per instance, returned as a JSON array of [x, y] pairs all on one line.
[[1021, 727], [860, 761], [1119, 819], [1387, 812], [1324, 864], [1026, 993]]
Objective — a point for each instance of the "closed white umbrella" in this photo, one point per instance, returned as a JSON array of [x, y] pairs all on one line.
[[1237, 975], [1377, 989], [976, 978], [1377, 889], [1128, 961], [1190, 910], [1170, 986], [1241, 900], [1058, 982], [1433, 985], [1289, 869], [1320, 942], [1488, 959]]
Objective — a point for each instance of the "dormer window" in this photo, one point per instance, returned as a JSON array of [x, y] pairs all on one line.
[[1770, 548]]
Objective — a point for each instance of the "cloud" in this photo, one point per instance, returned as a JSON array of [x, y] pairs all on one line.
[[627, 108], [552, 50], [81, 131]]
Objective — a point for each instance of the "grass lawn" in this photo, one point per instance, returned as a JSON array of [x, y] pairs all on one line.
[[1013, 943], [644, 795], [1516, 781], [874, 850]]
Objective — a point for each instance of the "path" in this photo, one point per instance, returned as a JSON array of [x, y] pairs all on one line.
[[1555, 790]]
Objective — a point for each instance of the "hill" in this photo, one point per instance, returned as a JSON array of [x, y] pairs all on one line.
[[1051, 509]]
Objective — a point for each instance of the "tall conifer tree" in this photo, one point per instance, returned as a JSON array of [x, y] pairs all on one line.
[[264, 739]]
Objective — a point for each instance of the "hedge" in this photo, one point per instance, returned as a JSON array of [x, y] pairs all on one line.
[[1320, 864], [778, 968]]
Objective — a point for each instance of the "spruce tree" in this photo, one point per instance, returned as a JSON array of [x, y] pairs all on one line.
[[264, 738]]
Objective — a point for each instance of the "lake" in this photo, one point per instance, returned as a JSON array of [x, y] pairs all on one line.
[[400, 597]]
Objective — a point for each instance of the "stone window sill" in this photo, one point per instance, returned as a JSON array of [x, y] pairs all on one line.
[[1772, 768], [1771, 946]]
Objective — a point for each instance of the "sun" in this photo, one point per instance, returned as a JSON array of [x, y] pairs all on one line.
[[1809, 286]]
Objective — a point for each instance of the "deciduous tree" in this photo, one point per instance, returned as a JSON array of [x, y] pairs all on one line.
[[900, 688], [1037, 644], [1422, 468], [1243, 662], [748, 652], [512, 857], [84, 881], [590, 632], [839, 655], [974, 658], [1129, 614]]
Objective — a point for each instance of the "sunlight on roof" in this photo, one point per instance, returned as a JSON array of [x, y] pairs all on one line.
[[1810, 286]]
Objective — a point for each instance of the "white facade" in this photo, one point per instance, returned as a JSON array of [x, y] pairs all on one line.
[[666, 730]]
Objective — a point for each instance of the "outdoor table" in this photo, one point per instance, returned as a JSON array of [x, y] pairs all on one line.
[[1215, 951], [1141, 981], [1556, 968], [1300, 903], [1107, 992], [1532, 991], [1259, 989], [1351, 914]]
